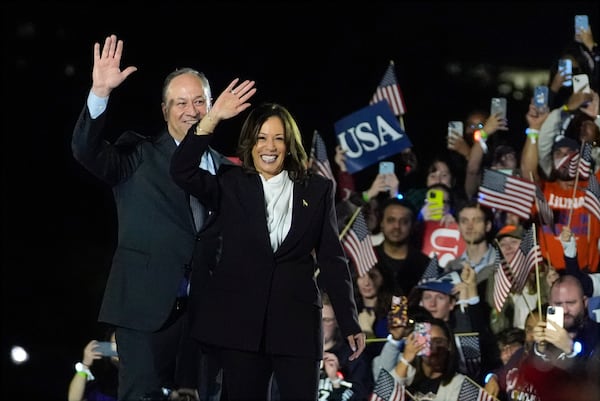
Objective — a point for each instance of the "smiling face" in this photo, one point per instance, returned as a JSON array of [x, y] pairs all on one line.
[[268, 153]]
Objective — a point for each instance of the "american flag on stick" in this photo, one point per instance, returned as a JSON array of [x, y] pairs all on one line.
[[544, 210], [581, 163], [359, 246], [470, 391], [525, 259], [319, 160], [389, 90], [502, 281], [507, 193], [592, 196]]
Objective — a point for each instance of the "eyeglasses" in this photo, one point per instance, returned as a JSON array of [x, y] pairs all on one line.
[[475, 126]]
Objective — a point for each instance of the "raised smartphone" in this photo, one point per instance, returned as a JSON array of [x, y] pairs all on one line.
[[555, 314], [398, 316], [435, 204], [386, 167], [565, 68], [498, 106], [106, 348], [581, 82], [540, 98], [423, 336], [456, 127], [581, 23]]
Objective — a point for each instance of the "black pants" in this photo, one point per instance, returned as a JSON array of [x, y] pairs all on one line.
[[247, 376]]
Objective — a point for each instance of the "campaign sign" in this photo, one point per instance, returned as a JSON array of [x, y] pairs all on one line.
[[443, 240], [369, 135]]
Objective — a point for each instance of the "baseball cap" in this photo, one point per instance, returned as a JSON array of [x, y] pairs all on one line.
[[443, 284], [510, 230], [562, 141]]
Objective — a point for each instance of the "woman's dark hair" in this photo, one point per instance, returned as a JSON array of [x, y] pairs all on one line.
[[296, 160]]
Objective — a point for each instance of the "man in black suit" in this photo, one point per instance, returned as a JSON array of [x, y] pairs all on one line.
[[146, 293]]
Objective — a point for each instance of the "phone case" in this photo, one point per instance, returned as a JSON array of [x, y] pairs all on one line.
[[581, 82], [423, 336], [399, 311], [565, 68], [456, 127], [435, 202], [106, 348], [555, 314], [540, 97], [498, 105], [386, 167]]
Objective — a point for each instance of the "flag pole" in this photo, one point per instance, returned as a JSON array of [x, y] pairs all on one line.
[[575, 185], [477, 384], [537, 271], [345, 230]]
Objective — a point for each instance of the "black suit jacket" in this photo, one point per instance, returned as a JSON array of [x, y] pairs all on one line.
[[254, 294], [155, 223]]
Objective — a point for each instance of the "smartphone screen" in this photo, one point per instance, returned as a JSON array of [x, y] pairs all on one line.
[[565, 68], [540, 98], [399, 311], [386, 167], [581, 23], [106, 348], [456, 128], [555, 314], [498, 106]]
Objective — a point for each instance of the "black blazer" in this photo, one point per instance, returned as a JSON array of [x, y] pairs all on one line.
[[155, 223], [254, 294]]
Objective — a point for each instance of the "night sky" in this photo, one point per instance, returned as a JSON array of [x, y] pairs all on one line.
[[322, 62]]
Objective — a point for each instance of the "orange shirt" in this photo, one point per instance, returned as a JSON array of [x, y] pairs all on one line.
[[584, 225]]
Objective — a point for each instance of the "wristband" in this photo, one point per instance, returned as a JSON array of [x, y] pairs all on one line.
[[565, 108], [84, 370], [480, 135], [365, 196], [404, 361], [488, 377], [200, 129]]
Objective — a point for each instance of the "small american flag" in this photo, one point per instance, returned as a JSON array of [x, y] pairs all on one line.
[[432, 271], [592, 196], [467, 346], [389, 90], [318, 157], [359, 246], [502, 281], [526, 257], [581, 163], [386, 388], [507, 193], [469, 391]]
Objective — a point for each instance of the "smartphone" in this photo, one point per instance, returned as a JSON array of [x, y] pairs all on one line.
[[106, 348], [565, 68], [456, 127], [498, 106], [581, 82], [423, 336], [386, 167], [555, 314], [581, 23], [399, 311], [540, 98], [435, 203]]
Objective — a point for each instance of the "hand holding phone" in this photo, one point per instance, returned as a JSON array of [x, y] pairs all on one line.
[[106, 348], [435, 204], [581, 24], [540, 98], [386, 167], [581, 83], [455, 128], [498, 107], [398, 316]]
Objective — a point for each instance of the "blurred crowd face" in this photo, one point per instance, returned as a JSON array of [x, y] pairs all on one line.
[[570, 296], [474, 122], [507, 350], [440, 349], [472, 225], [438, 304], [509, 246], [439, 173], [396, 224], [560, 156], [370, 283], [329, 323]]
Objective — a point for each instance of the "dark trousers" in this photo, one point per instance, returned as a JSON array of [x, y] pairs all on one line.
[[247, 376], [167, 358]]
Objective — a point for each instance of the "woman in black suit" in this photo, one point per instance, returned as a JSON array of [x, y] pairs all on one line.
[[277, 244]]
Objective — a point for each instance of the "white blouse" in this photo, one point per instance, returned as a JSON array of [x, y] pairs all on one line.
[[278, 201]]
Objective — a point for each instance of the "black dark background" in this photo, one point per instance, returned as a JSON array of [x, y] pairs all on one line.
[[323, 61]]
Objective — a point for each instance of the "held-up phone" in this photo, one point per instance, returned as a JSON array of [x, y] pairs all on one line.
[[423, 336], [555, 314], [106, 348], [540, 98], [581, 82], [386, 167], [456, 127], [399, 311], [435, 203], [498, 106], [565, 68], [581, 23]]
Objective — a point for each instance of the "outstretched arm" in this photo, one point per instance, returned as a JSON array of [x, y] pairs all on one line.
[[107, 73]]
